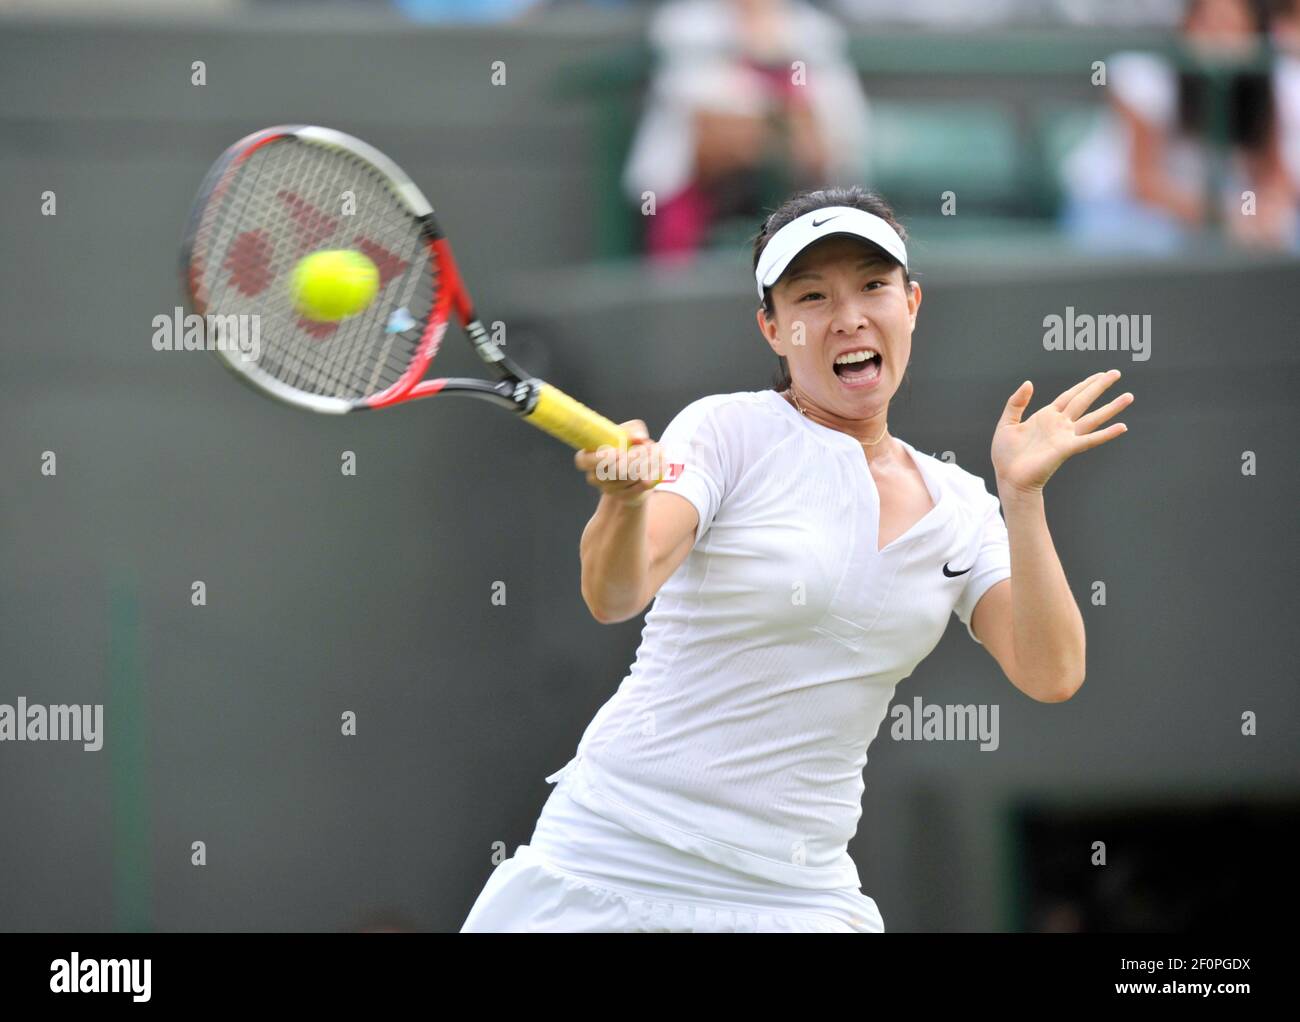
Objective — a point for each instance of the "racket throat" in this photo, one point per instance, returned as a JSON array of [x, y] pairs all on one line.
[[490, 352], [525, 394], [487, 349]]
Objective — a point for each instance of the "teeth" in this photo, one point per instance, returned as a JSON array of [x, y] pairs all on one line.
[[856, 356]]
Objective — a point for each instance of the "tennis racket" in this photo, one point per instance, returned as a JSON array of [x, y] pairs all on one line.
[[283, 193]]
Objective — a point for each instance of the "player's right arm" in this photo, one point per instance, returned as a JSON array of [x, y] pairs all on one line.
[[637, 538]]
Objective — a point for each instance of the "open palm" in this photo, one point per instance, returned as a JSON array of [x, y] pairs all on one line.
[[1027, 453]]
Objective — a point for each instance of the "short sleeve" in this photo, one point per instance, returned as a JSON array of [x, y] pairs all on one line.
[[992, 561], [696, 461], [1145, 84]]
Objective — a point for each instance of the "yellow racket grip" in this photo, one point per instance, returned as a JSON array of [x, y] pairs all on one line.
[[573, 422]]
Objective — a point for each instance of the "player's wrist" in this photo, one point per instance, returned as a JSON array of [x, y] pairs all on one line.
[[629, 499]]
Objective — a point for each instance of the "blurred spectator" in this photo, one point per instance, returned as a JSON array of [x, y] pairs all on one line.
[[949, 15], [727, 97], [465, 10], [1130, 13], [1286, 86], [1141, 180], [940, 14]]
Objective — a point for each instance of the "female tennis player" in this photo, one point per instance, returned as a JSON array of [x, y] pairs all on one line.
[[802, 561]]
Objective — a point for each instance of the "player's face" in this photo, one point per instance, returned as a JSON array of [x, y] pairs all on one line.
[[836, 299]]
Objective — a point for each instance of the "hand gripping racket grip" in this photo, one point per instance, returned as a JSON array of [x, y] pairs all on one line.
[[573, 422]]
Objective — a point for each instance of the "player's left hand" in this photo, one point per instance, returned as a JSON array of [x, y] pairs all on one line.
[[1026, 454]]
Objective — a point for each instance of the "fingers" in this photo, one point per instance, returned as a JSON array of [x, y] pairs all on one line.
[[1092, 420], [1065, 396], [636, 434], [1088, 393], [1100, 437], [1017, 403], [627, 475]]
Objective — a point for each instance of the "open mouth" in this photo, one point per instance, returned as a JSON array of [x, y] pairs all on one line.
[[858, 366]]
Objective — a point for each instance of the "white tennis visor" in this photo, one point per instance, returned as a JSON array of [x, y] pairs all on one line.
[[798, 234]]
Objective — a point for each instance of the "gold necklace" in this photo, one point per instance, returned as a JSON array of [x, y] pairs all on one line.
[[864, 443]]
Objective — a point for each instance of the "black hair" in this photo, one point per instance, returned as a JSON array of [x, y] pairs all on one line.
[[1250, 101], [804, 202]]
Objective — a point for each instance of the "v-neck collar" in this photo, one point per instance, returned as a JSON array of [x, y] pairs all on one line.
[[834, 437]]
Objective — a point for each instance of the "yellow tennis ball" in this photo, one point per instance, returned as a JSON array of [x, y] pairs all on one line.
[[329, 286]]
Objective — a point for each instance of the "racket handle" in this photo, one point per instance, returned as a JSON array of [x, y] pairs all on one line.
[[573, 422]]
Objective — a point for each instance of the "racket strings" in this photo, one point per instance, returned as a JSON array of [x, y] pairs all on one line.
[[307, 364], [290, 198]]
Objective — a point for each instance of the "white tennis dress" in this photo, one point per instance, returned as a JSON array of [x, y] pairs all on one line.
[[719, 786]]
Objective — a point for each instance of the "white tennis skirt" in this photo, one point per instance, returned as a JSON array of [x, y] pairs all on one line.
[[582, 873]]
